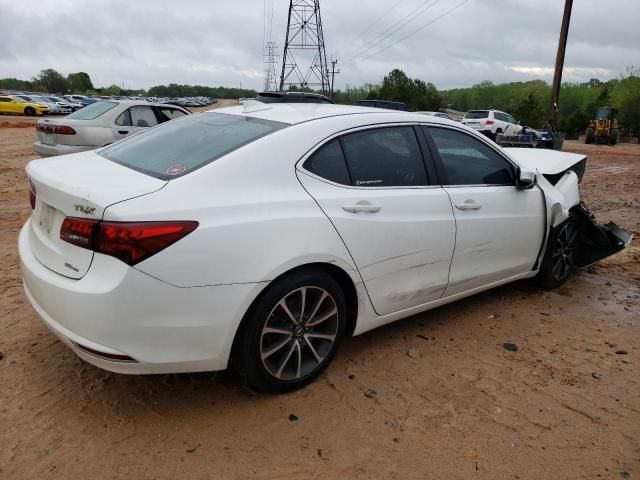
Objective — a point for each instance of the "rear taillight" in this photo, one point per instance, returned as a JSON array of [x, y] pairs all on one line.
[[59, 129], [79, 231], [131, 242], [489, 122], [32, 195]]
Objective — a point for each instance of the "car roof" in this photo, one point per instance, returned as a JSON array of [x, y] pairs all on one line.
[[294, 113]]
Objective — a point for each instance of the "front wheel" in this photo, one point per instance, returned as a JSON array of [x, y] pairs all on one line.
[[559, 260], [30, 112], [590, 135], [292, 332], [614, 136]]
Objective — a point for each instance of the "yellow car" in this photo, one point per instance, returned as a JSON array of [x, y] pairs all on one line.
[[10, 104]]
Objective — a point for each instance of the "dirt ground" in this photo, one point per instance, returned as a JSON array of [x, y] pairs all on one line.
[[435, 396]]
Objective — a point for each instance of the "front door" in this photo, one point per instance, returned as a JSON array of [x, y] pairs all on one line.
[[500, 227], [399, 229]]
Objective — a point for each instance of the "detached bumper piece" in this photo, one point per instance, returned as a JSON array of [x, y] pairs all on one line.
[[598, 241]]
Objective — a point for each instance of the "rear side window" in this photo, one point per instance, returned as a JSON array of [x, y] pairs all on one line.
[[181, 146], [477, 114], [385, 157], [93, 111], [468, 161], [328, 162]]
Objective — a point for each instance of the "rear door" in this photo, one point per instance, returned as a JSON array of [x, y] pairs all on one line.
[[500, 227], [398, 227], [133, 120]]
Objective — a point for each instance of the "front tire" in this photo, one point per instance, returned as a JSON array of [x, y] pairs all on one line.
[[614, 136], [30, 112], [590, 135], [292, 332], [559, 260]]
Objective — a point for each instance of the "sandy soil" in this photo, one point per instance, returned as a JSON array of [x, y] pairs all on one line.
[[433, 396]]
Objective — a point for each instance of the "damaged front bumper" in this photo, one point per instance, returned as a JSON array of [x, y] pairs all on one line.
[[597, 241]]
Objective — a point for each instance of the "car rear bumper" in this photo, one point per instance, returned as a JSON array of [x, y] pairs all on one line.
[[45, 150], [116, 310]]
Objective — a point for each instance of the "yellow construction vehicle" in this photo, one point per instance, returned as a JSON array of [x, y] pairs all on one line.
[[604, 127]]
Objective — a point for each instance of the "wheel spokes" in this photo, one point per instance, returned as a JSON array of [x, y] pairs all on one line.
[[299, 333], [286, 360], [274, 349]]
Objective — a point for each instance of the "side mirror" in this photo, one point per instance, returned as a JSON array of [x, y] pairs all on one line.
[[526, 179]]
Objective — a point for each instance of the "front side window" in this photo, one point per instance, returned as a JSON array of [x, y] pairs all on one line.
[[385, 157], [142, 116], [328, 162], [181, 146], [469, 161]]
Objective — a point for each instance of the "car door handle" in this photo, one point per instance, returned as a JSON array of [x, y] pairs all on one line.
[[123, 132], [468, 205], [362, 207]]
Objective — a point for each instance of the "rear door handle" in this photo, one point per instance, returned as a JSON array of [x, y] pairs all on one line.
[[468, 205], [362, 207], [123, 132]]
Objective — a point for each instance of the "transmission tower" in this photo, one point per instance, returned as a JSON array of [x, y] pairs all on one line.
[[270, 61], [304, 41]]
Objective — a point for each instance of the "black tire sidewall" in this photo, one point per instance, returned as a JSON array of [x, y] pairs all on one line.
[[545, 277], [30, 111], [248, 361]]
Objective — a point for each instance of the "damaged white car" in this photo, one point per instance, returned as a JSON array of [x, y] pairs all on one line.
[[259, 236]]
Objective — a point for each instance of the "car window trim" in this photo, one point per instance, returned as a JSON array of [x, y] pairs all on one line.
[[442, 174], [432, 181]]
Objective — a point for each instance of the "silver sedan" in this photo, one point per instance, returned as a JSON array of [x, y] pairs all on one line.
[[100, 124]]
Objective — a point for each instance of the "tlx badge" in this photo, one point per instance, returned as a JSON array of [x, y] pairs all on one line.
[[87, 210]]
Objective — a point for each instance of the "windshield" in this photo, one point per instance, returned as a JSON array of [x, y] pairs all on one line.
[[180, 146], [477, 114], [93, 111]]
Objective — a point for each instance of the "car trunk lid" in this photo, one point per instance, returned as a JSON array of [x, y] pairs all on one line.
[[81, 185], [50, 132]]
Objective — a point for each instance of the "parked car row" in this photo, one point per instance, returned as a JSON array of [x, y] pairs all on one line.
[[32, 104]]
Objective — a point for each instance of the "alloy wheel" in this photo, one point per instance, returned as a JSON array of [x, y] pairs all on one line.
[[299, 333], [562, 260]]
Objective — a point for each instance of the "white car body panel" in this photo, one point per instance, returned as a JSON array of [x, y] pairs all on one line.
[[413, 268], [550, 162], [500, 239], [261, 215]]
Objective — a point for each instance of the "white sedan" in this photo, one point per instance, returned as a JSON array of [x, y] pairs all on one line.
[[259, 236], [100, 124]]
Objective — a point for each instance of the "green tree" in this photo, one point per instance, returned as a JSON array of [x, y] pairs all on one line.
[[51, 81], [79, 82]]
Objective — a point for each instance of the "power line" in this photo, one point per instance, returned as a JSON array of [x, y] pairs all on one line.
[[410, 34], [392, 29], [366, 30]]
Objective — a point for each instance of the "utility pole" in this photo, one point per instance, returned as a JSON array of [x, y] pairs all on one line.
[[557, 76], [333, 73]]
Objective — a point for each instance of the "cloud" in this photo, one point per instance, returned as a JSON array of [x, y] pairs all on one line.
[[150, 42]]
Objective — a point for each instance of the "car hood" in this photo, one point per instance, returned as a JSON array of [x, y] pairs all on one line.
[[549, 162]]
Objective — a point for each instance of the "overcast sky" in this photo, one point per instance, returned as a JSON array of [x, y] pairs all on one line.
[[143, 43]]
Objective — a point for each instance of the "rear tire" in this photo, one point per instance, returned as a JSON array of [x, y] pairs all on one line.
[[290, 335], [495, 135], [614, 136], [559, 260], [590, 135], [30, 112]]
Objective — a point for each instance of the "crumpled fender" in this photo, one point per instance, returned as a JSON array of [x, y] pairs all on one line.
[[559, 198]]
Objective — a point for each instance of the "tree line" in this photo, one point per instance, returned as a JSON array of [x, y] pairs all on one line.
[[528, 102]]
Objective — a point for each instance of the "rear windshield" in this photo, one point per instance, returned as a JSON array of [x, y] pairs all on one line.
[[477, 114], [180, 146], [93, 111]]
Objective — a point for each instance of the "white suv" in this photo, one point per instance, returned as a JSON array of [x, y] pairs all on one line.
[[491, 122]]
